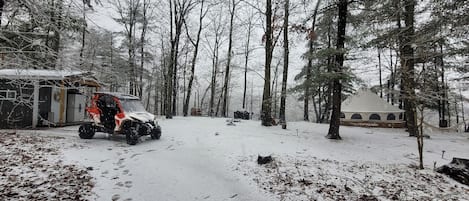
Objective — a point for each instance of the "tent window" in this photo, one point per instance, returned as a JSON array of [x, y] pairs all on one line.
[[356, 116], [391, 117], [342, 115], [375, 117]]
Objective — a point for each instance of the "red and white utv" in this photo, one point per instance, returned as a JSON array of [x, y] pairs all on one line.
[[117, 113]]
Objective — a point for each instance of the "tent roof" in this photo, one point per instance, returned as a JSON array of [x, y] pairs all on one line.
[[367, 101]]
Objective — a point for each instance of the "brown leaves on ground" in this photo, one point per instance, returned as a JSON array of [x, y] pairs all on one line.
[[310, 178], [30, 169]]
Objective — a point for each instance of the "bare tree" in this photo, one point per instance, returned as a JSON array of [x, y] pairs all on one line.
[[179, 9], [246, 55], [146, 8], [194, 56], [232, 6], [217, 29], [128, 11]]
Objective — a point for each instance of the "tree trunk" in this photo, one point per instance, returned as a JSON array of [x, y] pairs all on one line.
[[214, 75], [266, 96], [2, 4], [83, 32], [142, 47], [224, 110], [380, 74], [407, 64], [420, 138], [337, 88], [246, 57], [194, 60], [169, 74], [330, 84], [283, 95]]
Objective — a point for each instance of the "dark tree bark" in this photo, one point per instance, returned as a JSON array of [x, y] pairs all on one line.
[[246, 60], [337, 88], [146, 6], [169, 74], [2, 4], [380, 74], [83, 31], [179, 10], [194, 59], [283, 95], [266, 115], [213, 82], [407, 64], [224, 109]]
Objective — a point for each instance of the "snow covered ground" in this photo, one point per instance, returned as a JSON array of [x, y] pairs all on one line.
[[200, 158]]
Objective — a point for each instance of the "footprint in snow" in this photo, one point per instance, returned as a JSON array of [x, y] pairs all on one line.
[[134, 155], [120, 184], [121, 160], [125, 172], [128, 184], [115, 197]]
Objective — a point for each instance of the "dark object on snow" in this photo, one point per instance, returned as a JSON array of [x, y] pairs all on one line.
[[196, 111], [242, 115], [443, 124], [367, 198], [261, 160], [305, 182], [458, 170], [230, 122]]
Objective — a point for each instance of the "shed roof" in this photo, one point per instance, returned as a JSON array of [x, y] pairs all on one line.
[[40, 74], [366, 101], [84, 78]]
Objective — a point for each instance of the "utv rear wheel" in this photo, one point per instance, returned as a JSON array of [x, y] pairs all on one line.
[[156, 133], [86, 131], [131, 136]]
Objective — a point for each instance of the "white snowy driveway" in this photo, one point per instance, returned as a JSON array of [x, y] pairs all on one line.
[[187, 163]]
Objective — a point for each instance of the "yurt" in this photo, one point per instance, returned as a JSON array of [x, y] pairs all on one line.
[[367, 109]]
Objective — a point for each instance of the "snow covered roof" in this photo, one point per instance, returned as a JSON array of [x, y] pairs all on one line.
[[367, 101], [39, 74]]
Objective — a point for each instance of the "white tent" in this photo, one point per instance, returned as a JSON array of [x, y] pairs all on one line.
[[365, 108]]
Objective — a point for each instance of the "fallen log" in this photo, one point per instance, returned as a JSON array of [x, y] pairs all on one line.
[[458, 170]]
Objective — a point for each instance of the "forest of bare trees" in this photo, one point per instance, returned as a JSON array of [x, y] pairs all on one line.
[[218, 57]]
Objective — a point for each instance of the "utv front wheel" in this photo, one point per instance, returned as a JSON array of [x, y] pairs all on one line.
[[86, 131], [131, 136], [156, 133]]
